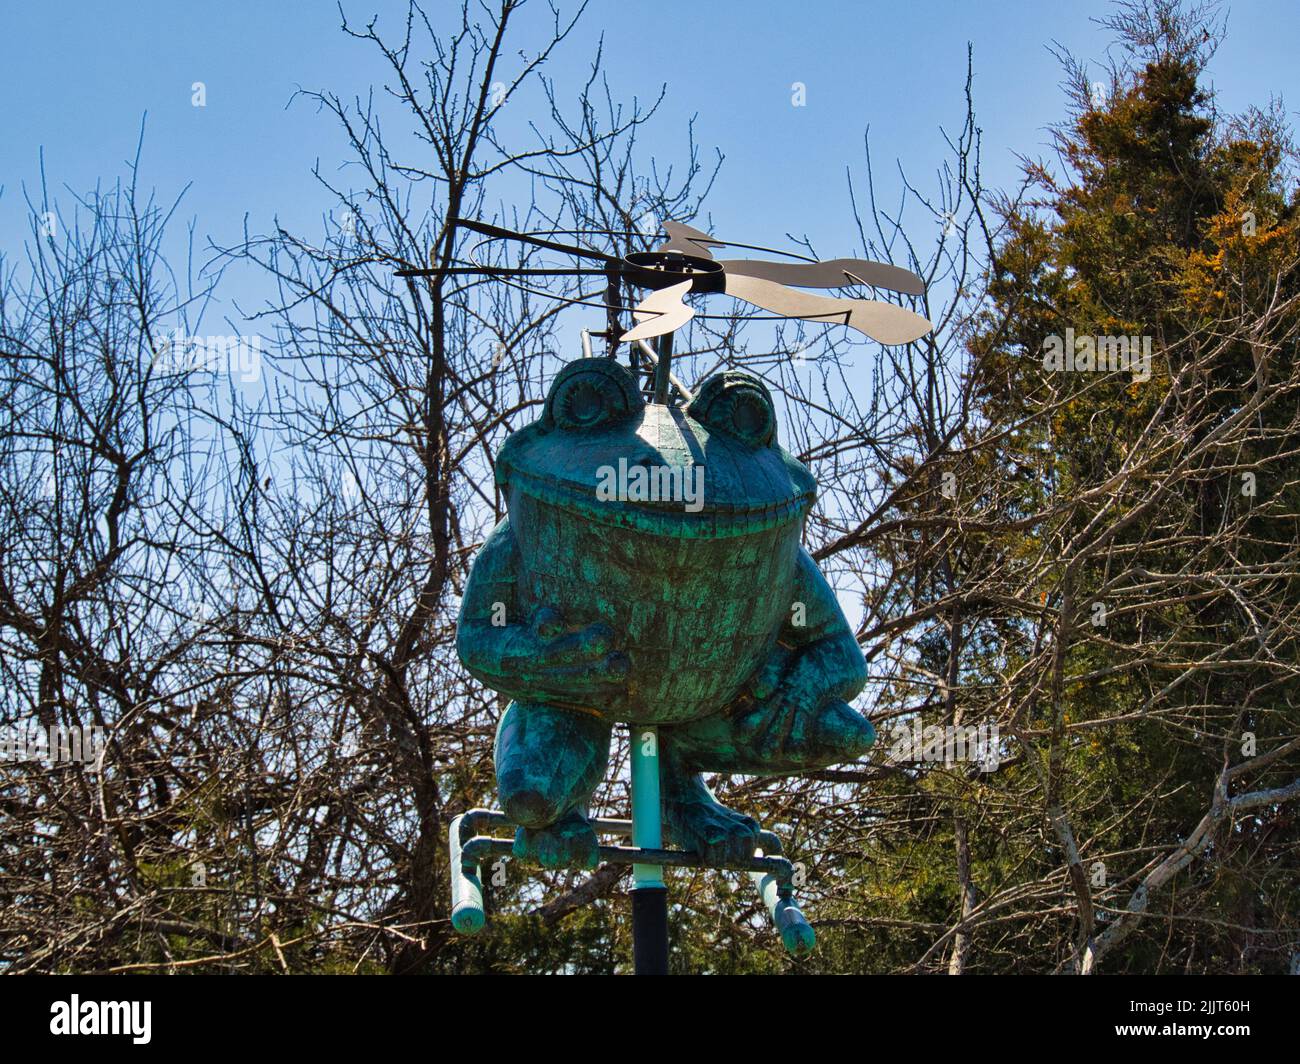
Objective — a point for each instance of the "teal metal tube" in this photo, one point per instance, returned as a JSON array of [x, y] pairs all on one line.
[[482, 848], [467, 914], [649, 894], [797, 934], [647, 827]]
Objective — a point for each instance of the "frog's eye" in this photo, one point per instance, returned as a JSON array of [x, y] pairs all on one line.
[[738, 404], [592, 392]]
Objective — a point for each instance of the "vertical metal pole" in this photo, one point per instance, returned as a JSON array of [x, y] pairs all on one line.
[[649, 894], [614, 314], [665, 356]]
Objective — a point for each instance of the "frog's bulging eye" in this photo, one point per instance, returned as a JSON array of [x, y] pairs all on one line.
[[592, 392], [738, 404]]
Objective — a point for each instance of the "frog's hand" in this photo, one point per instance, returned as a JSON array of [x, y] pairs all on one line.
[[516, 660], [528, 657], [816, 647]]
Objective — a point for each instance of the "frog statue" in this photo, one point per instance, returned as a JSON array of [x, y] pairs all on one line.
[[650, 571]]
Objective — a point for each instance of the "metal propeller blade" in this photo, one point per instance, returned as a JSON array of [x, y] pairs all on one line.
[[660, 312], [499, 233], [833, 273], [882, 322], [688, 241]]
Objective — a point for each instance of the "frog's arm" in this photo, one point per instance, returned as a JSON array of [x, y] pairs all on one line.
[[817, 656], [526, 657]]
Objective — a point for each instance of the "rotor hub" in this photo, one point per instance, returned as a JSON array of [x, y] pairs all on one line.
[[662, 269]]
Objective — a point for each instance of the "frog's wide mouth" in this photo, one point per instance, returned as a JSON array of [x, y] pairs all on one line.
[[687, 514]]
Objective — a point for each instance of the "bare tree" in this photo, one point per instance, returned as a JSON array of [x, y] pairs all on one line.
[[251, 585], [401, 390]]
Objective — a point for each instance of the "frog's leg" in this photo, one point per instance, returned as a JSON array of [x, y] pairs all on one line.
[[548, 760], [793, 716]]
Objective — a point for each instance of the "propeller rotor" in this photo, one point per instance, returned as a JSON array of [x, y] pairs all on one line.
[[685, 265]]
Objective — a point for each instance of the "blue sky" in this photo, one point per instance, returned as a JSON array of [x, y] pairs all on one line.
[[78, 77]]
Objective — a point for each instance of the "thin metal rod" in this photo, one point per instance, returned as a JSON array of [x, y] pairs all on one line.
[[500, 271], [653, 359], [480, 847], [498, 233], [477, 846]]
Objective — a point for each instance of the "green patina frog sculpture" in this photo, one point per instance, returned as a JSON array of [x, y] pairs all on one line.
[[650, 571]]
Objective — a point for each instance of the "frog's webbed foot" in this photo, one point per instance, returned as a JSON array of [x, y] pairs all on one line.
[[568, 843], [697, 821]]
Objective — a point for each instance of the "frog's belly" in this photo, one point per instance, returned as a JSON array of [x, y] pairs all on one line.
[[695, 616]]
